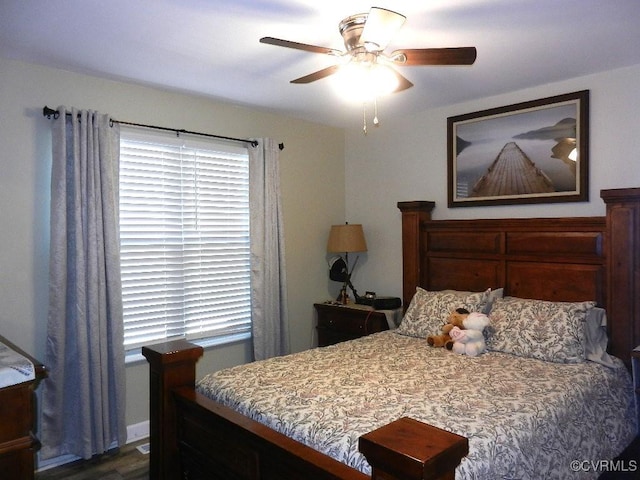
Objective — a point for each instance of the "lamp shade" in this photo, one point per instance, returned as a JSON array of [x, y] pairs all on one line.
[[346, 238]]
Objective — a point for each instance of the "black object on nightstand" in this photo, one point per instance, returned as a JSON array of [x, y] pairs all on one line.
[[338, 323]]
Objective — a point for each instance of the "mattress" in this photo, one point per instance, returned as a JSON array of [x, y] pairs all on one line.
[[524, 418]]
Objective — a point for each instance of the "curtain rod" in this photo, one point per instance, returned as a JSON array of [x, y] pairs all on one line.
[[49, 112]]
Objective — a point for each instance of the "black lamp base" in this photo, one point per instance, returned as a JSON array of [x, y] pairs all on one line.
[[343, 296]]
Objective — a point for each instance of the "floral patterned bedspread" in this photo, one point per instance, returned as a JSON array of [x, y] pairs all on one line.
[[524, 418]]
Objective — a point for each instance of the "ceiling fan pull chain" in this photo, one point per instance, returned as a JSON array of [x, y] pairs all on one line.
[[376, 122], [364, 117]]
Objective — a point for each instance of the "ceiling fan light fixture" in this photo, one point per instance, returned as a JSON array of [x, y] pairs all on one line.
[[362, 82], [383, 79]]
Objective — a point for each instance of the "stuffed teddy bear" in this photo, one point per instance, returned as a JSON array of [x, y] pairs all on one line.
[[470, 341], [454, 319]]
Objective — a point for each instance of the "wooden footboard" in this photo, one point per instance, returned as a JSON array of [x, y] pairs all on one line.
[[193, 437]]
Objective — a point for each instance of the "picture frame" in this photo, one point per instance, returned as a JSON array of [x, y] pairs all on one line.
[[530, 152]]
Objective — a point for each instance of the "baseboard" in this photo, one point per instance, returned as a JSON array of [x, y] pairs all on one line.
[[135, 432], [42, 465]]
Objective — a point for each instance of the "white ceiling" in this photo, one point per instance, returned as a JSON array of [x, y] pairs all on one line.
[[211, 48]]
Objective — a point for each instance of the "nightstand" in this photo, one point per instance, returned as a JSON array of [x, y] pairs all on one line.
[[338, 323], [635, 368]]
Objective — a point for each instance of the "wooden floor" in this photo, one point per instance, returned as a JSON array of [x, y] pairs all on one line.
[[127, 464]]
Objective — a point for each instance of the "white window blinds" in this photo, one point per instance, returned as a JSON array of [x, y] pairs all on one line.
[[184, 236]]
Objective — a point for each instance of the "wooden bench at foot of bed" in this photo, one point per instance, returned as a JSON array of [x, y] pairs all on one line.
[[193, 437]]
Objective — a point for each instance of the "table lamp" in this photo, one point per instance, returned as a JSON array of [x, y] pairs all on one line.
[[347, 238]]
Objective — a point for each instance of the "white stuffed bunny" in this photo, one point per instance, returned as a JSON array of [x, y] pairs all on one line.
[[470, 341]]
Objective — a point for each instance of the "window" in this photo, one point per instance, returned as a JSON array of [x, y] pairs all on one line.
[[184, 238]]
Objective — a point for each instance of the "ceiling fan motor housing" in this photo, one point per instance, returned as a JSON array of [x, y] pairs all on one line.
[[351, 30]]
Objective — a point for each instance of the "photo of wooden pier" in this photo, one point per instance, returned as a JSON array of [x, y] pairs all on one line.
[[531, 152], [512, 173]]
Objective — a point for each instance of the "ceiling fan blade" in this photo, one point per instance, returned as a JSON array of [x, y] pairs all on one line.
[[312, 77], [403, 83], [299, 46], [380, 27], [435, 56]]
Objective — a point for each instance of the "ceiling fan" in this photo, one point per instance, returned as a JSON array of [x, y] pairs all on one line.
[[366, 36]]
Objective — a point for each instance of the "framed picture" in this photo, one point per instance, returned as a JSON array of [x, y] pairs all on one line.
[[530, 152]]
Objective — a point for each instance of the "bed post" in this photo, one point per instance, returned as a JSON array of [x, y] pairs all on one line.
[[171, 364], [623, 269], [413, 214], [409, 449]]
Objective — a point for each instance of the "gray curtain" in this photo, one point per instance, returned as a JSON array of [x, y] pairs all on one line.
[[268, 280], [83, 399]]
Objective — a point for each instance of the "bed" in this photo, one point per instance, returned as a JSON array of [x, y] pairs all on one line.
[[454, 416]]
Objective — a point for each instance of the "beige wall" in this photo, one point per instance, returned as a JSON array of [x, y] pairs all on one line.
[[312, 171], [406, 159]]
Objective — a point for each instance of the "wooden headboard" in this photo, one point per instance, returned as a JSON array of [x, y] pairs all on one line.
[[559, 259]]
